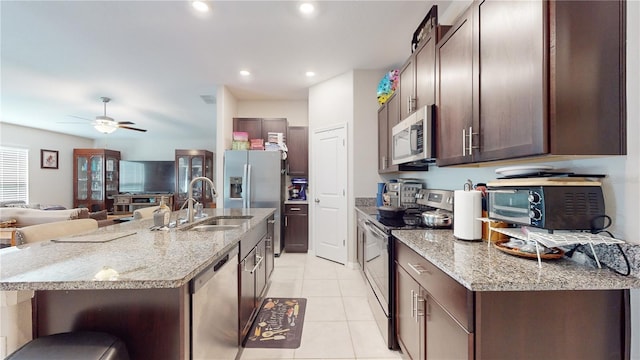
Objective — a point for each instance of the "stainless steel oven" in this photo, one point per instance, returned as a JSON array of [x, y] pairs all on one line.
[[377, 256]]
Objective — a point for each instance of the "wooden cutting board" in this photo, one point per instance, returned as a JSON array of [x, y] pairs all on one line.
[[545, 181]]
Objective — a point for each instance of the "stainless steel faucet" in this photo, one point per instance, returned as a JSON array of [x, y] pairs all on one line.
[[190, 194]]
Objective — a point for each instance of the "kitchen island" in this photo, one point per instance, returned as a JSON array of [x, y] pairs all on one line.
[[125, 279]]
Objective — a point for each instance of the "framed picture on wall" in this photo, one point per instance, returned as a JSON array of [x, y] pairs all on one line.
[[48, 159]]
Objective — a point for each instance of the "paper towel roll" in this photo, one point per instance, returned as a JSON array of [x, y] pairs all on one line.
[[467, 207]]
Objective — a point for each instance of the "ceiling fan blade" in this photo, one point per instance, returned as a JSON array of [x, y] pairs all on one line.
[[78, 117], [125, 123], [131, 128]]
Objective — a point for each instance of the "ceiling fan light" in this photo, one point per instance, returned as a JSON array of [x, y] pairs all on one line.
[[105, 127]]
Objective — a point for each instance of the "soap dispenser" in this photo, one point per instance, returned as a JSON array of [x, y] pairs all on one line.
[[162, 214]]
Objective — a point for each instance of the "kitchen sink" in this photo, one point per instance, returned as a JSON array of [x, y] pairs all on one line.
[[214, 227], [217, 223]]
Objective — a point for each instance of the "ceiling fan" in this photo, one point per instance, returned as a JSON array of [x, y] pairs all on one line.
[[107, 125]]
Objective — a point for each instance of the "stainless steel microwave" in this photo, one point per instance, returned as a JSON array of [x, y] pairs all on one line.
[[413, 139], [548, 207]]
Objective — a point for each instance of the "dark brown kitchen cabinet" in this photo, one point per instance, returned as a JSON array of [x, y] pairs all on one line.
[[417, 75], [296, 228], [529, 78], [96, 178], [259, 128], [454, 95], [388, 116], [439, 318], [434, 312], [191, 164], [298, 154]]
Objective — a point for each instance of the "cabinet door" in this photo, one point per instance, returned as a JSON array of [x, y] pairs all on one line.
[[407, 92], [298, 155], [296, 232], [82, 182], [445, 338], [409, 322], [383, 138], [261, 271], [275, 126], [425, 59], [454, 97], [511, 79], [247, 289], [251, 126]]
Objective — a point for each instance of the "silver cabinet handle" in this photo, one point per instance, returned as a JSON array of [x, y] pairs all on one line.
[[295, 209], [413, 305], [464, 142], [286, 223], [419, 269], [260, 258]]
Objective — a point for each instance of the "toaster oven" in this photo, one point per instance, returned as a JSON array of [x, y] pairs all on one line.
[[552, 207]]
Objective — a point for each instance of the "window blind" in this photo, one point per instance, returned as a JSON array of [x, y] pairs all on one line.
[[14, 174]]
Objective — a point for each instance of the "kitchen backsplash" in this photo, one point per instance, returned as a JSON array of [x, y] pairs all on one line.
[[365, 201]]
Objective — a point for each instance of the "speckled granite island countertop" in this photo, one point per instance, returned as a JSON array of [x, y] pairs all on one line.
[[480, 267], [145, 259]]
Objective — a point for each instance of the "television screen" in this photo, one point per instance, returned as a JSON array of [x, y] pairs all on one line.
[[147, 177]]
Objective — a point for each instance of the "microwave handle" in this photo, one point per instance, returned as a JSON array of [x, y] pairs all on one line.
[[503, 191], [413, 139]]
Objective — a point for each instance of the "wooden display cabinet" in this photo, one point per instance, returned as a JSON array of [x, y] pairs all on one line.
[[189, 165], [96, 178]]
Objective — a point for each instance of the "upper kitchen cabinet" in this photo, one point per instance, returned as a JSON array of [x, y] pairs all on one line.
[[298, 154], [388, 116], [540, 78], [96, 178], [191, 164], [417, 75], [454, 95], [259, 128]]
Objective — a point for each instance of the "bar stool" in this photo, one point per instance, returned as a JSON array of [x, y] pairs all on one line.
[[80, 345]]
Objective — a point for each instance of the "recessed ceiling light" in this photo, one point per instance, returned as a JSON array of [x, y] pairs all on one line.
[[200, 5], [306, 8], [245, 72], [310, 74]]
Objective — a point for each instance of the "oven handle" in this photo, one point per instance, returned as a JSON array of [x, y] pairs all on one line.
[[502, 191], [375, 229]]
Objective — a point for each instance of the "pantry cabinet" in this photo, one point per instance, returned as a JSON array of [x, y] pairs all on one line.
[[96, 178], [529, 78], [191, 164], [298, 154], [388, 117]]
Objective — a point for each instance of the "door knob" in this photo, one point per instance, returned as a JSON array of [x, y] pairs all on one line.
[[317, 200]]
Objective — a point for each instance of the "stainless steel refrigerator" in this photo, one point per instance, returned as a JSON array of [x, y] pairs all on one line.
[[255, 179]]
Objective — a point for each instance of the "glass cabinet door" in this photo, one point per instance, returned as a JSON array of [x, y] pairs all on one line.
[[82, 180], [96, 178], [196, 171], [111, 175], [183, 176]]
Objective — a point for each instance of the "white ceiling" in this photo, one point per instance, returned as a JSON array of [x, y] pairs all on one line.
[[156, 58]]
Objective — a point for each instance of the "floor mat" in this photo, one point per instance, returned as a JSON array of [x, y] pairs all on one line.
[[278, 324]]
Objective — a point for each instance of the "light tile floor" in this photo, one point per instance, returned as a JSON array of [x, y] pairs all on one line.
[[338, 322]]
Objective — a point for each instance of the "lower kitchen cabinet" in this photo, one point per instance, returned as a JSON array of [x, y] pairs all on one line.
[[254, 270], [427, 329], [296, 228], [439, 318]]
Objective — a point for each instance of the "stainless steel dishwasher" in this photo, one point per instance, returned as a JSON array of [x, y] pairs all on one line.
[[214, 310]]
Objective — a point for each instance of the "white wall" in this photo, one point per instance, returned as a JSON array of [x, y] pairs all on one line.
[[363, 147], [46, 186], [150, 149], [227, 109], [296, 112]]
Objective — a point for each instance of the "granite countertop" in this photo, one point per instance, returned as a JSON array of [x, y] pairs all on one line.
[[481, 267], [144, 259]]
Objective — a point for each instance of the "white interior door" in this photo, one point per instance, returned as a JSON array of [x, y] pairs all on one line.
[[328, 186]]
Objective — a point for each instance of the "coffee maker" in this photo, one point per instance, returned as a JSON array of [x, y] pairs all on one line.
[[298, 189]]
